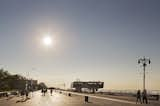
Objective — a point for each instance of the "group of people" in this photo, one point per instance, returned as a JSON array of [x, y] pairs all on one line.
[[142, 97], [44, 91]]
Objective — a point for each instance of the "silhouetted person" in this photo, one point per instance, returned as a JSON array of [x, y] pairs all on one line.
[[32, 92], [46, 90], [86, 99], [43, 91], [51, 90], [22, 92], [138, 97], [27, 93], [144, 96]]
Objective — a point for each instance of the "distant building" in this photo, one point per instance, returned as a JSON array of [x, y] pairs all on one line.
[[91, 85]]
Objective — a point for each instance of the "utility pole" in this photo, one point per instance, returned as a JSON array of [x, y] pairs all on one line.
[[144, 62]]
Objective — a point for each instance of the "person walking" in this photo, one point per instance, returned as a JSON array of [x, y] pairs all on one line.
[[144, 96], [42, 91], [139, 96], [45, 91], [22, 92], [51, 90], [27, 93]]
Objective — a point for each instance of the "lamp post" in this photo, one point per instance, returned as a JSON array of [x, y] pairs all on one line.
[[144, 62], [27, 82]]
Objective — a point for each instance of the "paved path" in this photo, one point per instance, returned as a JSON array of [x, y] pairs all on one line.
[[105, 98], [62, 99]]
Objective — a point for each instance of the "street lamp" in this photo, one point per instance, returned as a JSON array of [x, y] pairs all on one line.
[[144, 61], [27, 82]]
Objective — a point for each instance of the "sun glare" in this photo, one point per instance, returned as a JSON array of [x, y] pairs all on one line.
[[47, 40]]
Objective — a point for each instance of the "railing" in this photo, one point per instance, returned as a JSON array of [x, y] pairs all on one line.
[[7, 93], [3, 94]]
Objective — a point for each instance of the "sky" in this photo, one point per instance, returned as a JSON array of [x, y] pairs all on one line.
[[94, 40]]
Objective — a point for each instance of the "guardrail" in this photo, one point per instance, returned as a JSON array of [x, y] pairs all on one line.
[[153, 97], [7, 93], [3, 94], [150, 96]]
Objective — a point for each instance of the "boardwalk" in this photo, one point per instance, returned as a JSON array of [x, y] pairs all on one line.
[[62, 99]]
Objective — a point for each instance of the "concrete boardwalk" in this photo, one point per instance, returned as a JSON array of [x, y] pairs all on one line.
[[62, 99]]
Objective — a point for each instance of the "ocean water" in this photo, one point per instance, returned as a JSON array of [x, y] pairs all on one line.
[[129, 91]]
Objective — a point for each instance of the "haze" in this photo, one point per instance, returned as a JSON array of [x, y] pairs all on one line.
[[95, 40]]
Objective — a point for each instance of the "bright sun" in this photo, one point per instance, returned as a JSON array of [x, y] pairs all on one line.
[[47, 40]]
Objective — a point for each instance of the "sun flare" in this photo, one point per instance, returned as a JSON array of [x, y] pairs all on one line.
[[47, 40]]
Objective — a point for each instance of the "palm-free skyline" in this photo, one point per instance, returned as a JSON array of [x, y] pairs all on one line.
[[92, 40]]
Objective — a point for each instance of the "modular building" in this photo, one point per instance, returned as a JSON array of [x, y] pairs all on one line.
[[91, 85]]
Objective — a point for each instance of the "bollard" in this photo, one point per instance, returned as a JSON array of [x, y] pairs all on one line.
[[86, 99], [69, 94]]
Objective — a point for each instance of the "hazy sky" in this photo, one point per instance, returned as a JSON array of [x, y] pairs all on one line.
[[98, 40]]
